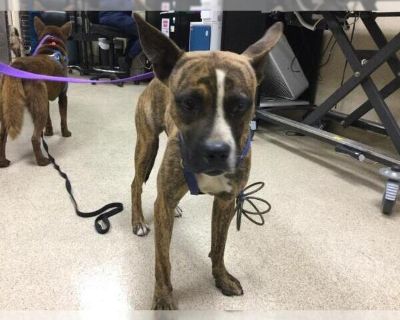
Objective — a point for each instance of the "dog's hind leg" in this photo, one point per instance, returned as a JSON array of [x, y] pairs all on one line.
[[63, 105], [223, 212], [3, 141], [49, 125], [38, 107]]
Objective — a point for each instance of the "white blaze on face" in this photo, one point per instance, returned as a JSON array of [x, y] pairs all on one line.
[[221, 130]]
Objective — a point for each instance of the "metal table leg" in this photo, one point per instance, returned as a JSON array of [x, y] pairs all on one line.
[[363, 74], [393, 62]]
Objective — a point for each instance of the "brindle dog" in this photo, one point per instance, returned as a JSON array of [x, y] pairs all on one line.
[[16, 94], [208, 99]]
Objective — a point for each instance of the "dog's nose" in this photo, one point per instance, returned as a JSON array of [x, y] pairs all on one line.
[[216, 152]]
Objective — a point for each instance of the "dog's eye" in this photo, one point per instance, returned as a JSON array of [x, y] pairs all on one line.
[[238, 105], [188, 103]]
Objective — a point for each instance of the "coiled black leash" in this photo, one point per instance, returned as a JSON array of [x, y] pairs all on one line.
[[102, 223], [246, 196]]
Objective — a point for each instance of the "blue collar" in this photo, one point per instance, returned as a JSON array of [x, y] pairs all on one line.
[[189, 175]]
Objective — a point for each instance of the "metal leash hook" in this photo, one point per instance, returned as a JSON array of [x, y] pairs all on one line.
[[246, 196]]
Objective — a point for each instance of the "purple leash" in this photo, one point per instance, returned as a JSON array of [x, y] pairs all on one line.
[[16, 73], [44, 39]]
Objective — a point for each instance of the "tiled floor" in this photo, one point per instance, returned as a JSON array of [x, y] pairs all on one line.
[[325, 244]]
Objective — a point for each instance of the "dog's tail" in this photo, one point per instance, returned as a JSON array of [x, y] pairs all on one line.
[[13, 101]]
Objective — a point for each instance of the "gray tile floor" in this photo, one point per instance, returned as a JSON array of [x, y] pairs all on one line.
[[325, 244]]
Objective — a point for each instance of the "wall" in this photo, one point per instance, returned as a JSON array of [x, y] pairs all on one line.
[[4, 51]]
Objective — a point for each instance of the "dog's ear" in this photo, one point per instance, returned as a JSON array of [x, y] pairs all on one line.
[[39, 26], [159, 49], [257, 52], [66, 29]]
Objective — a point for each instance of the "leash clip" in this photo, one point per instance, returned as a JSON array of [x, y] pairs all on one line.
[[102, 224]]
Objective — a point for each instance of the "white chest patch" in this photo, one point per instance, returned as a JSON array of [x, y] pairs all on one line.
[[213, 184]]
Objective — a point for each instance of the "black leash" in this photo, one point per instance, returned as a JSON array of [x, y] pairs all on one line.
[[246, 196], [102, 223]]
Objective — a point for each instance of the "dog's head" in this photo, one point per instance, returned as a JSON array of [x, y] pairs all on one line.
[[213, 95], [59, 33]]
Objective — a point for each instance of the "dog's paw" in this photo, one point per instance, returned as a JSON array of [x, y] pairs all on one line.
[[141, 229], [66, 133], [48, 132], [178, 212], [4, 163], [164, 303], [229, 285], [43, 162]]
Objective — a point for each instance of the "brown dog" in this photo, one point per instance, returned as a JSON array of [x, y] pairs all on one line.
[[16, 94], [207, 100]]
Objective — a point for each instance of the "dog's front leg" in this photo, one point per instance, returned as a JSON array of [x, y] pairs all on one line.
[[171, 187], [163, 224], [223, 212]]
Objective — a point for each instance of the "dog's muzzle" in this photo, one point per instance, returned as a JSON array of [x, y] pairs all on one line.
[[211, 157], [215, 155]]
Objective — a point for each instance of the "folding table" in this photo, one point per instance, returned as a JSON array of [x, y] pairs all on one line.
[[362, 69]]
